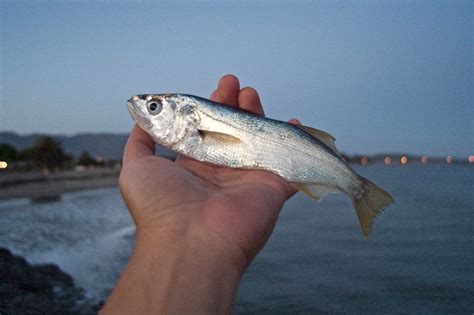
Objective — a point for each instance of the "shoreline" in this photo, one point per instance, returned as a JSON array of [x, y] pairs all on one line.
[[40, 187]]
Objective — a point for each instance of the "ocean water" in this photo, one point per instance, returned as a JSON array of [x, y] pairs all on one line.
[[419, 258]]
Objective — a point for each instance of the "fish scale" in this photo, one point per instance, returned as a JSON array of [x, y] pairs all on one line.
[[268, 154], [223, 135]]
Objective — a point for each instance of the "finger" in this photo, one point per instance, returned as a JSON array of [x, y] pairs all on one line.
[[139, 144], [250, 101], [294, 121], [228, 90], [214, 96]]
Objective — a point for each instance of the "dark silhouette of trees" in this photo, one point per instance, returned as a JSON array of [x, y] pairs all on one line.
[[86, 159], [8, 153], [48, 154], [26, 157]]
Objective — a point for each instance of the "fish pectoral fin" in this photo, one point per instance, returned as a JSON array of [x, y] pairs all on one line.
[[315, 191], [322, 136], [218, 137]]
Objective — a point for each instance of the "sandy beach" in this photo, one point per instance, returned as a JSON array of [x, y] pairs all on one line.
[[38, 186]]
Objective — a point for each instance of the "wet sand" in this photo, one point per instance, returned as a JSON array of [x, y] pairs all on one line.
[[43, 187]]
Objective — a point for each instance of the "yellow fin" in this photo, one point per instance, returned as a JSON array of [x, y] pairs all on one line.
[[303, 188], [322, 136], [219, 137], [370, 204], [315, 191]]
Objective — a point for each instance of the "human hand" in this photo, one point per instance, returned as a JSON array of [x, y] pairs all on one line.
[[231, 212], [198, 225]]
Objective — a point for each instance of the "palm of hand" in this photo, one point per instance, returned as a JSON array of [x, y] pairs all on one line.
[[238, 207], [226, 207]]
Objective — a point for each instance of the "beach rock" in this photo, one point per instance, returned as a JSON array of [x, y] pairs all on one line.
[[38, 289]]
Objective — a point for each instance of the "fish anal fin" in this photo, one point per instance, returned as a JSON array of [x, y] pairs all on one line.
[[315, 191], [218, 137], [322, 136], [303, 188]]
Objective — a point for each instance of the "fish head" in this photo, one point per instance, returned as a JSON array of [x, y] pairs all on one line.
[[159, 115]]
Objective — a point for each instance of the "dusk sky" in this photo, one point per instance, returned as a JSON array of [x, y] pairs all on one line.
[[380, 76]]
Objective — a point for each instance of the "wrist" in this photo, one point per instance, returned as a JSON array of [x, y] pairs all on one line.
[[190, 277], [177, 274], [187, 234], [174, 274], [191, 243]]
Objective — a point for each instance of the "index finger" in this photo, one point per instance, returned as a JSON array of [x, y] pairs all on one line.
[[139, 145]]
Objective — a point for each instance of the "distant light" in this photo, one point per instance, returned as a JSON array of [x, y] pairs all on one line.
[[364, 160], [3, 164], [99, 159], [424, 159], [471, 158], [449, 159], [404, 160], [387, 160]]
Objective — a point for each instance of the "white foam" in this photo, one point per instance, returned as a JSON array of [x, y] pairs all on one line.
[[95, 264]]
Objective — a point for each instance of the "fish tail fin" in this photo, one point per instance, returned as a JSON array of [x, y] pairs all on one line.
[[369, 204]]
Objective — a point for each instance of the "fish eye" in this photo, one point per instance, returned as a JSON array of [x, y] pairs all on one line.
[[154, 107]]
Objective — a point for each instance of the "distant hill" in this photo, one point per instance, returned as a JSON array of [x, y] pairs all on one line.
[[107, 145]]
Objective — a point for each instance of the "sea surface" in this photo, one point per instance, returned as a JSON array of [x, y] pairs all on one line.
[[418, 260]]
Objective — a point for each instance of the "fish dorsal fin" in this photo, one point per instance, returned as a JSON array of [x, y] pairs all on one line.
[[218, 137], [315, 191], [322, 136]]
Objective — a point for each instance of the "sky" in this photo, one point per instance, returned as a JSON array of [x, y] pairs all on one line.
[[385, 76]]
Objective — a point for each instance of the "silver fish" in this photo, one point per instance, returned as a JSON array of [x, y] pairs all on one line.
[[210, 132]]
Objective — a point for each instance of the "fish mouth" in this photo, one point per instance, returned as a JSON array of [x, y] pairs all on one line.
[[137, 115]]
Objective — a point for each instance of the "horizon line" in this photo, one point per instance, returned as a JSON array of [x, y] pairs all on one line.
[[379, 153]]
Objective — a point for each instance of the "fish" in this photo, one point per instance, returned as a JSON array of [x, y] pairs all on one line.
[[214, 133]]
